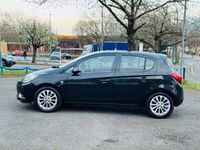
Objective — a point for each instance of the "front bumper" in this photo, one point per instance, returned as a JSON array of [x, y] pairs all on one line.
[[25, 92]]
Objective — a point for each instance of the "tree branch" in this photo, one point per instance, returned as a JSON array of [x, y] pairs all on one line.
[[151, 10], [114, 15]]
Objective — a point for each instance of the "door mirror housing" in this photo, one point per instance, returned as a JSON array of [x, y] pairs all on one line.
[[75, 71]]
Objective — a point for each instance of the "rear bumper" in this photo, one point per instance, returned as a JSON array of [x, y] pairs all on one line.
[[25, 92], [179, 97]]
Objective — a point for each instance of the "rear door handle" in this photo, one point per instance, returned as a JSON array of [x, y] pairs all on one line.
[[143, 80], [106, 81]]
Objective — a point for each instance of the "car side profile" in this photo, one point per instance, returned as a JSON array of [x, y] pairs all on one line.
[[17, 53], [122, 78], [58, 56], [8, 61]]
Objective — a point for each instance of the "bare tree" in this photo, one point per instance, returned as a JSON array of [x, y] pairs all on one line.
[[6, 28], [162, 29], [34, 33], [87, 29], [133, 11], [128, 13], [193, 34], [90, 28]]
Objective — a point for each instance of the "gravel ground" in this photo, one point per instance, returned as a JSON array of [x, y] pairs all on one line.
[[23, 127]]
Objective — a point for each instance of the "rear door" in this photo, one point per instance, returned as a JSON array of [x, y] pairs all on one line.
[[133, 79]]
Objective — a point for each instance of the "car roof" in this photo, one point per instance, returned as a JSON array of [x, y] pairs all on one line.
[[147, 54]]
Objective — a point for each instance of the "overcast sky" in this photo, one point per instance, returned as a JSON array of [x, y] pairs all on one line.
[[63, 17]]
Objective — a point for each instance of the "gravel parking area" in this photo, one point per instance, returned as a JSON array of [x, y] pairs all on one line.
[[23, 127]]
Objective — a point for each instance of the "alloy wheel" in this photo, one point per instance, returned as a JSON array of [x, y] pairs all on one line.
[[47, 100], [160, 105]]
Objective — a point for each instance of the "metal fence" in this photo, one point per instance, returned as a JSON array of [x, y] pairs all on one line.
[[26, 69]]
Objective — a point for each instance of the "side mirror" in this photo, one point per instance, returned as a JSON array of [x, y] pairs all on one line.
[[75, 71]]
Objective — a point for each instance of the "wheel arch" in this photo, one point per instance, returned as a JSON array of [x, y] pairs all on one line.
[[172, 95], [52, 88], [48, 85]]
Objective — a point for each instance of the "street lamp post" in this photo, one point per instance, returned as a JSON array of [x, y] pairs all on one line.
[[102, 29], [183, 39], [50, 45]]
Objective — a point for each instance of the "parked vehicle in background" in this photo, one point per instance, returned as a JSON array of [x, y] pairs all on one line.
[[190, 53], [110, 46], [8, 60], [58, 55], [17, 53], [110, 78]]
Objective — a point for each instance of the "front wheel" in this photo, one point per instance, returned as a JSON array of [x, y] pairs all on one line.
[[47, 99], [160, 105]]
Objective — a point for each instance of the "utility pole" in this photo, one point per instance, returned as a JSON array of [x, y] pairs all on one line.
[[102, 28], [0, 51], [50, 31], [183, 38]]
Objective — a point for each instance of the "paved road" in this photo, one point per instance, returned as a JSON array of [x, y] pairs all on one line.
[[41, 60], [38, 65], [192, 68], [23, 127]]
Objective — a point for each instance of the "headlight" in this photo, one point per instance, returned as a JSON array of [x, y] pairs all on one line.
[[29, 78]]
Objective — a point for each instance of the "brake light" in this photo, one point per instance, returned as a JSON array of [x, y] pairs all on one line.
[[177, 77]]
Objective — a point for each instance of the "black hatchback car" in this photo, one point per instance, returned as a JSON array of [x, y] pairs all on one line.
[[127, 78]]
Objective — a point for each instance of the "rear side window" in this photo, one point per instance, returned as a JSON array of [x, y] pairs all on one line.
[[135, 63]]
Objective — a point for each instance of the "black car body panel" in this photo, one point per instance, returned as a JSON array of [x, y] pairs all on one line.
[[112, 87]]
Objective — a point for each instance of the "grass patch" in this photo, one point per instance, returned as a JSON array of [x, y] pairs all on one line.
[[34, 64], [13, 73], [190, 85]]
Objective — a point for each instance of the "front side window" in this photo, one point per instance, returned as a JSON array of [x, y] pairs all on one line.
[[97, 64], [135, 63]]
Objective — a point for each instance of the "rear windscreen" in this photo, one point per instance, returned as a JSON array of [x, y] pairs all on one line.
[[170, 65]]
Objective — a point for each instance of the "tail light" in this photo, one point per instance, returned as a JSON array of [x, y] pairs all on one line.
[[177, 77]]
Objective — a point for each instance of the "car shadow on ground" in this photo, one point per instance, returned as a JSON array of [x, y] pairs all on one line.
[[106, 109], [81, 108]]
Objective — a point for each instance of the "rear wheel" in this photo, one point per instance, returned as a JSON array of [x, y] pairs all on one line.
[[159, 105], [48, 99]]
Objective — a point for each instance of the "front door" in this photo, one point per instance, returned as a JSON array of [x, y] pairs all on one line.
[[94, 83]]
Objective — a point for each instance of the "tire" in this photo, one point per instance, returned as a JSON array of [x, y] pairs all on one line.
[[159, 105], [47, 99]]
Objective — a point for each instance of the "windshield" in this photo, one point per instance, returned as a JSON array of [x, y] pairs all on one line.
[[68, 63], [72, 61]]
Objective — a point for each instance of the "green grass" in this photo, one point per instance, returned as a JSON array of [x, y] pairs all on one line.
[[12, 73], [190, 85], [35, 64]]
